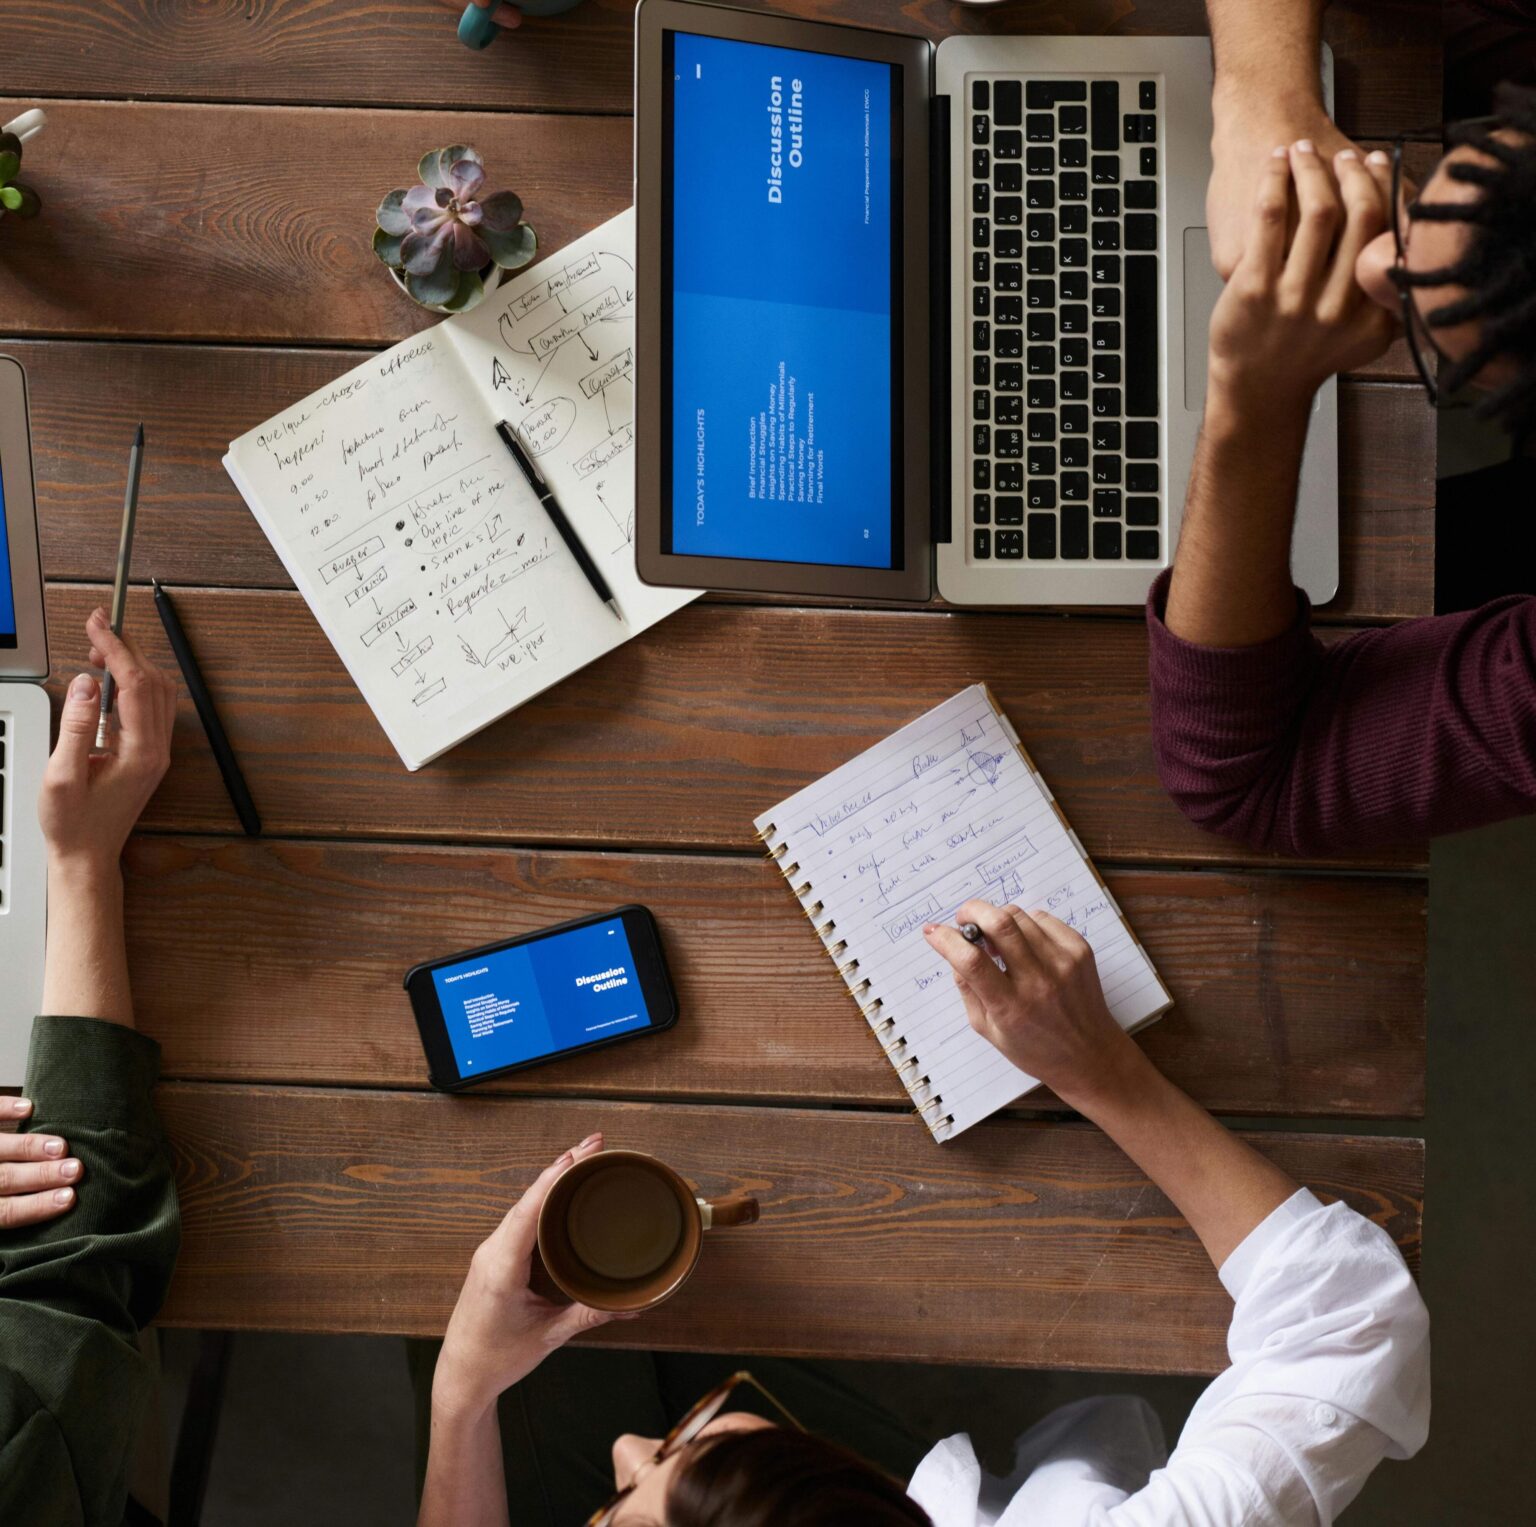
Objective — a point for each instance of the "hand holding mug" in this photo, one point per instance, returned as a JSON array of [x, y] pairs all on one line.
[[501, 1330]]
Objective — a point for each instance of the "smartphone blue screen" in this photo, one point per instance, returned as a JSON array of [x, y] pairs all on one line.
[[541, 998]]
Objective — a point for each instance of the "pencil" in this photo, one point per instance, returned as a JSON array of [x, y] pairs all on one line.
[[120, 587], [224, 755]]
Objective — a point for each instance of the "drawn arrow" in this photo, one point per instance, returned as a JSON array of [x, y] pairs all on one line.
[[590, 351], [376, 609], [399, 638], [500, 377], [421, 678]]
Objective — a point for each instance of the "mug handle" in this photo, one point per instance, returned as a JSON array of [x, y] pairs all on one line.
[[737, 1209], [27, 125]]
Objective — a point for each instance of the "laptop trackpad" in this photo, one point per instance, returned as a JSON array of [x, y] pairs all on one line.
[[1202, 286]]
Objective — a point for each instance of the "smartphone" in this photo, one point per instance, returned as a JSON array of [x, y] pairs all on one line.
[[575, 986]]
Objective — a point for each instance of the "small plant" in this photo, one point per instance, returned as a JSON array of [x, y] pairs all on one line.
[[21, 200], [446, 238]]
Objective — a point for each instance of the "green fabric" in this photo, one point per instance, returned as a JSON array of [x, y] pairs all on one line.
[[75, 1292]]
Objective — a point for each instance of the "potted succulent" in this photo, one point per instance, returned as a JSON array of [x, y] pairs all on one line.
[[21, 200], [447, 240]]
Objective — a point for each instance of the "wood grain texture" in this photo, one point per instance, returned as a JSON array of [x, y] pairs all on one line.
[[1301, 995], [214, 222], [1019, 1244], [663, 742], [403, 52], [253, 223], [86, 399]]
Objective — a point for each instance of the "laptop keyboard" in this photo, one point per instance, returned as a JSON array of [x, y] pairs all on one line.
[[1065, 458]]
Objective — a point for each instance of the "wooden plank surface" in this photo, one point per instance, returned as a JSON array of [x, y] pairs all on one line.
[[403, 52], [86, 398], [217, 222], [1022, 1244], [656, 744], [1297, 995]]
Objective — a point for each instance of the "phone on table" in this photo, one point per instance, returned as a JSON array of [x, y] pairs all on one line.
[[589, 982]]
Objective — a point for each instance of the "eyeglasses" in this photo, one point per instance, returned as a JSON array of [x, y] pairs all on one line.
[[685, 1432]]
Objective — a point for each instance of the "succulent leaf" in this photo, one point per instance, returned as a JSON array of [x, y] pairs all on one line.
[[465, 178], [511, 250], [470, 290], [430, 170], [392, 217], [10, 198], [10, 163], [387, 247], [422, 251], [502, 210], [435, 285], [469, 251]]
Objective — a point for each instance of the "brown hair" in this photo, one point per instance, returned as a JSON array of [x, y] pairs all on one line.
[[775, 1477]]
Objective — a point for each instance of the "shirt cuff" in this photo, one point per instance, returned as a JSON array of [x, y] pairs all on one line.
[[1186, 665], [89, 1071], [1242, 1263]]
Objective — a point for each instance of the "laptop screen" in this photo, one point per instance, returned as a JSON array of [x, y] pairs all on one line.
[[782, 440], [7, 592]]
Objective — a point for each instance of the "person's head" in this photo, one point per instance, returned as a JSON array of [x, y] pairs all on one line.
[[740, 1470], [1469, 261]]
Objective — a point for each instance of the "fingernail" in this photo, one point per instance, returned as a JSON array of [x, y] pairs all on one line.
[[1282, 152], [82, 687], [53, 1148], [1346, 153], [64, 1196], [21, 1106], [563, 1158], [1376, 156], [1305, 146], [98, 616], [70, 1169], [591, 1139], [927, 928]]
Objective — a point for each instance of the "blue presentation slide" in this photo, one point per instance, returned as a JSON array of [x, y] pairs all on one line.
[[541, 998], [7, 598], [781, 304]]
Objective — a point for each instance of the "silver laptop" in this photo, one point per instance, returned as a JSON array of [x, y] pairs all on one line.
[[24, 724], [914, 317]]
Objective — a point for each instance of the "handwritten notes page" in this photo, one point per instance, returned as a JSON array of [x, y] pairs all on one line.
[[403, 520], [946, 809]]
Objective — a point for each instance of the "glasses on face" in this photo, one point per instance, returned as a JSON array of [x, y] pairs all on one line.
[[685, 1432]]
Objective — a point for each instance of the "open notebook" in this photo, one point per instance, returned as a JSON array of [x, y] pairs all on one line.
[[946, 809], [402, 519]]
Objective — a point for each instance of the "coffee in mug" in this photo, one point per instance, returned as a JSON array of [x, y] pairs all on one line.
[[622, 1231]]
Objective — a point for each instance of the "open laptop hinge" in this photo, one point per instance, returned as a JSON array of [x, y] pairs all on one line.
[[941, 423]]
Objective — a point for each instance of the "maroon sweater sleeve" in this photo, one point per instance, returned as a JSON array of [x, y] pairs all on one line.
[[1385, 736]]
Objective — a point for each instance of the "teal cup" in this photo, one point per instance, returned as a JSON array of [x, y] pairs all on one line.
[[478, 30]]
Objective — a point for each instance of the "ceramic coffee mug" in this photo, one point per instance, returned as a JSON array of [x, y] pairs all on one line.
[[478, 30], [622, 1231]]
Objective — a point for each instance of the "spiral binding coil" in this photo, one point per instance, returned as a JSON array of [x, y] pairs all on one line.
[[908, 1070]]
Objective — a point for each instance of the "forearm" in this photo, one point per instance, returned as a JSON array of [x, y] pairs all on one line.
[[465, 1485], [1269, 45], [85, 974], [1231, 584], [1223, 1187]]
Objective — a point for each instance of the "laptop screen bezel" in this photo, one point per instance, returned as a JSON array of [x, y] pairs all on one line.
[[912, 576], [28, 659]]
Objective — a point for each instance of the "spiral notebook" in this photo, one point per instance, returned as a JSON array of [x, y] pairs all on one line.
[[948, 808]]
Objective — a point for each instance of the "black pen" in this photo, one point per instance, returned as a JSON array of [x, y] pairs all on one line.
[[971, 933], [224, 755], [557, 514]]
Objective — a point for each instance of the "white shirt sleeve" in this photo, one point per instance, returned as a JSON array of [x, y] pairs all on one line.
[[1329, 1345]]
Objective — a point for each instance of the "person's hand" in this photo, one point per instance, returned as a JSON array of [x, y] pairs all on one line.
[[1046, 1011], [506, 15], [1248, 124], [90, 801], [1291, 317], [37, 1173], [500, 1329]]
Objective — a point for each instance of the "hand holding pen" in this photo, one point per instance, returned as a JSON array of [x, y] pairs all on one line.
[[120, 584]]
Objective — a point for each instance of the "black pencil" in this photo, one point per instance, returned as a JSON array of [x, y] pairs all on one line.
[[557, 514], [224, 755]]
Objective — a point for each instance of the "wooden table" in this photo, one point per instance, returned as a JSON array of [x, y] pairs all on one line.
[[209, 173]]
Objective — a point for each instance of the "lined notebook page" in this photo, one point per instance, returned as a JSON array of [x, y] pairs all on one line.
[[944, 810]]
